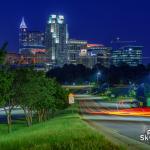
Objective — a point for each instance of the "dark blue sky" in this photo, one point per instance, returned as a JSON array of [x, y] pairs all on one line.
[[98, 21]]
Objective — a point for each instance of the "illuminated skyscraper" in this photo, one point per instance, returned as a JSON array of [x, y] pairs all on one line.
[[31, 45], [23, 35], [56, 39], [29, 40], [131, 55]]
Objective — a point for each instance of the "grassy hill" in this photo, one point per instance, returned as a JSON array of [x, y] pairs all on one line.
[[64, 132]]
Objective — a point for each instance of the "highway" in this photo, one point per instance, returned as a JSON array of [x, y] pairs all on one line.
[[17, 113], [120, 119], [109, 116]]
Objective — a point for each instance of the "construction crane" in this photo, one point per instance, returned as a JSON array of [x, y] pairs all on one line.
[[117, 40]]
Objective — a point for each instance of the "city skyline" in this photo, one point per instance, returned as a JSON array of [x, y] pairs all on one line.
[[110, 21], [55, 45]]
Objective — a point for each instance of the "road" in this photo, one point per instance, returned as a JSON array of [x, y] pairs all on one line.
[[127, 128], [128, 122], [16, 114]]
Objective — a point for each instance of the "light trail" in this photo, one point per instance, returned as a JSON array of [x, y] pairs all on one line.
[[144, 112], [95, 108]]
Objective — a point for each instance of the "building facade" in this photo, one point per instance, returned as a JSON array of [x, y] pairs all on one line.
[[74, 49], [131, 55], [87, 61], [102, 53], [56, 39], [12, 58], [36, 38]]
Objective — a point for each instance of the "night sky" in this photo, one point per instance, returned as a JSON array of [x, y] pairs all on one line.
[[98, 21]]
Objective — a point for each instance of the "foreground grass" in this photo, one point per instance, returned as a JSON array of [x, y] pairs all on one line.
[[64, 132]]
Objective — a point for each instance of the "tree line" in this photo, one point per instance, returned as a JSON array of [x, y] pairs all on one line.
[[38, 96], [122, 74], [32, 91]]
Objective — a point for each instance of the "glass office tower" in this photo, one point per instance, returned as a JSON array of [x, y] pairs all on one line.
[[56, 39], [131, 55]]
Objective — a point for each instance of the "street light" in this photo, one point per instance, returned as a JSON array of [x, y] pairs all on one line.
[[98, 75]]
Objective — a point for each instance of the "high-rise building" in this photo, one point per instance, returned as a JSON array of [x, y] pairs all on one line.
[[56, 39], [31, 45], [102, 53], [23, 36], [74, 49], [29, 40], [131, 55], [36, 38]]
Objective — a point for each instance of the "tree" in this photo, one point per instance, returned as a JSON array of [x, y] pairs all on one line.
[[6, 94], [61, 96], [49, 98], [37, 94], [44, 98], [24, 92], [70, 73], [3, 52]]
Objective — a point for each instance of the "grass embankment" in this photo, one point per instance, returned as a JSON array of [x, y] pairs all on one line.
[[64, 132]]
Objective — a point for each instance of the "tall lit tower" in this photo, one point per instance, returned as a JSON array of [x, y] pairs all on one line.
[[23, 35], [56, 39]]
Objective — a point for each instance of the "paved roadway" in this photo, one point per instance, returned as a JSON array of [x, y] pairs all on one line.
[[127, 128], [118, 118], [16, 113]]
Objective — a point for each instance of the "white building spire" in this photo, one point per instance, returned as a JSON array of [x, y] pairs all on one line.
[[23, 24]]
